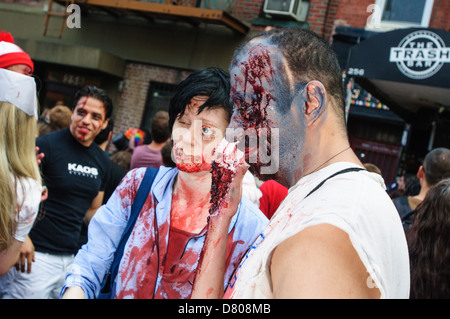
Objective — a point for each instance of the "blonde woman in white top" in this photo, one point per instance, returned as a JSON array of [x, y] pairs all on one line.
[[20, 180]]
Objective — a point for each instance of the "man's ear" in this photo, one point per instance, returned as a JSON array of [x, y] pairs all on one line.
[[105, 124], [420, 173], [315, 96]]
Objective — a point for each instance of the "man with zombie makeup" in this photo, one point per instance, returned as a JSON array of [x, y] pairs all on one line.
[[337, 233], [162, 252], [74, 169]]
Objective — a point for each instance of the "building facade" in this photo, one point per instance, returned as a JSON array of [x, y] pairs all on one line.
[[139, 50], [394, 120]]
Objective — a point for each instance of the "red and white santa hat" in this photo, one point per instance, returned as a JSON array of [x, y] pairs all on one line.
[[11, 54]]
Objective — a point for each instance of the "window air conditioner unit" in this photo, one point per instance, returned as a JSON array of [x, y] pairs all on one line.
[[288, 9]]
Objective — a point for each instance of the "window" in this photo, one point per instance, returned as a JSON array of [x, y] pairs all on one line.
[[393, 14], [158, 98]]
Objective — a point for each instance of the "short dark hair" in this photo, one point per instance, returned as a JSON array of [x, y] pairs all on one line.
[[96, 93], [213, 82], [160, 127], [309, 57], [436, 165]]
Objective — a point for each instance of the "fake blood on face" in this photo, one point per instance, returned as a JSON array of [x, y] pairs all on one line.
[[257, 72], [252, 93], [190, 163], [193, 167], [221, 180], [223, 171]]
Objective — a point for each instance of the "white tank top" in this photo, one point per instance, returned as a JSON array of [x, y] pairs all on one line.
[[355, 202]]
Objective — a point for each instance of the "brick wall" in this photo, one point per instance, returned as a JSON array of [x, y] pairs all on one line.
[[321, 16], [440, 15], [352, 13], [329, 21], [133, 97], [325, 15], [317, 14], [247, 10]]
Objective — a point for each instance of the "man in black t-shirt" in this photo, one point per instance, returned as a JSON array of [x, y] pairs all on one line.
[[74, 169], [114, 175]]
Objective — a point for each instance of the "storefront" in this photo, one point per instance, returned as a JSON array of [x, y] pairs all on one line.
[[407, 70], [62, 69]]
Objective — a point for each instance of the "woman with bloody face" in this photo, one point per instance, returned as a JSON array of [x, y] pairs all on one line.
[[162, 253]]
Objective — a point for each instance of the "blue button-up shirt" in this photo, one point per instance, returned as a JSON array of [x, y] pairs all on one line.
[[142, 270]]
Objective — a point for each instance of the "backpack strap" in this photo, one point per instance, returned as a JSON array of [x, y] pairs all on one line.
[[402, 205], [347, 170], [408, 215], [139, 200]]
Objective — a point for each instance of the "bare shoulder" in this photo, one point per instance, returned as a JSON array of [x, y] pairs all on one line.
[[319, 262]]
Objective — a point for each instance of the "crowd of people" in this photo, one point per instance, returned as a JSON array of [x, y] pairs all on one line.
[[79, 222]]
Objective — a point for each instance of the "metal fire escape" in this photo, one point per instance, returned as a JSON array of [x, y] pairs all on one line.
[[193, 12]]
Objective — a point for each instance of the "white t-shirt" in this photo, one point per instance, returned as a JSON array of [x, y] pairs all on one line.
[[355, 202], [249, 188], [28, 198]]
